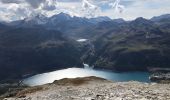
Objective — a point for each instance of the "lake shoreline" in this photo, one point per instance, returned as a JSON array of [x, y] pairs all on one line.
[[20, 78], [16, 83], [49, 77]]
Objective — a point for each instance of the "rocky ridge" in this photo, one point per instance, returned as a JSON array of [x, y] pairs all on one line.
[[93, 88]]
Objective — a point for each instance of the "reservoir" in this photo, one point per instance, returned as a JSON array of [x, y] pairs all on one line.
[[50, 77]]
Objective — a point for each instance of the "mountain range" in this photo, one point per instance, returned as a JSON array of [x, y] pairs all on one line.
[[40, 44]]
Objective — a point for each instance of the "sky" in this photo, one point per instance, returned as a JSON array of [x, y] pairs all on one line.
[[11, 10]]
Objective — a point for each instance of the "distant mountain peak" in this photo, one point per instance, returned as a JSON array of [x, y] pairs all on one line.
[[140, 19], [158, 18], [141, 22], [33, 16], [62, 16], [37, 19], [119, 20], [100, 19]]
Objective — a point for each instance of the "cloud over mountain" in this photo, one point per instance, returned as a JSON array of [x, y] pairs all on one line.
[[19, 9]]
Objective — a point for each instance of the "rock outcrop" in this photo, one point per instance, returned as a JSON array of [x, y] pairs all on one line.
[[92, 88]]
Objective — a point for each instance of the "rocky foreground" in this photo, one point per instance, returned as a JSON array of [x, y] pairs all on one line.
[[93, 88]]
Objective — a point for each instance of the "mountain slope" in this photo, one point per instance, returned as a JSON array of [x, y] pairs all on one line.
[[161, 18], [34, 50], [136, 45], [112, 44]]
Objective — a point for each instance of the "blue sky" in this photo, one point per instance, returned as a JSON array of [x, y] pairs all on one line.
[[19, 9]]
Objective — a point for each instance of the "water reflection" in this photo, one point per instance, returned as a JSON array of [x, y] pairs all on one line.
[[81, 72]]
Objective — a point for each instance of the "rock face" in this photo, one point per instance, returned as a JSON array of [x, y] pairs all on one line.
[[160, 77], [92, 88]]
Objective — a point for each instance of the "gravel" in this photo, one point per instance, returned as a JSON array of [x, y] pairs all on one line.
[[92, 88]]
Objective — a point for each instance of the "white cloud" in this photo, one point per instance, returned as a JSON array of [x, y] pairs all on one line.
[[141, 8], [14, 11], [89, 9], [35, 3], [11, 1], [116, 5], [19, 9], [49, 5]]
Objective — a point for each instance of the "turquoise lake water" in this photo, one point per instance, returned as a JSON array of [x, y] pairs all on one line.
[[50, 77]]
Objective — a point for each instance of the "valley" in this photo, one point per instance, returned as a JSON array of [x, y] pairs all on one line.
[[31, 47]]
